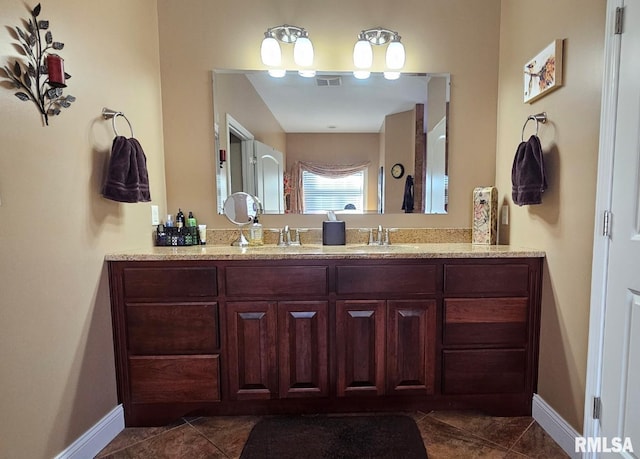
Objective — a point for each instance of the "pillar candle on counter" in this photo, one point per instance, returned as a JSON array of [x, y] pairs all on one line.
[[55, 68]]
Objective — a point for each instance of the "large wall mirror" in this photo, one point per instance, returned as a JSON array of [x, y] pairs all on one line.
[[331, 141]]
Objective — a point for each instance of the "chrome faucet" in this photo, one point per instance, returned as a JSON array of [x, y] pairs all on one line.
[[380, 240], [285, 239]]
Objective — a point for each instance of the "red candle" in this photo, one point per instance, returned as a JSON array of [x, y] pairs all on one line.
[[55, 68]]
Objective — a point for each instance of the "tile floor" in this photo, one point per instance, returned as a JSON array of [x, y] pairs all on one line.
[[446, 435]]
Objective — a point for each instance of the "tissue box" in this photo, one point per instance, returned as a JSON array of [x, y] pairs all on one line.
[[485, 216], [333, 233]]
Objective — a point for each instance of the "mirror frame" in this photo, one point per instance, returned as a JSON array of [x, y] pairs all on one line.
[[423, 176]]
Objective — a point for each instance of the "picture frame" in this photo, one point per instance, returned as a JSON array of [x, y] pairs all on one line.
[[543, 73]]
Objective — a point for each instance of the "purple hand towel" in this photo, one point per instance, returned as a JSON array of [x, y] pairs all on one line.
[[528, 178], [127, 177]]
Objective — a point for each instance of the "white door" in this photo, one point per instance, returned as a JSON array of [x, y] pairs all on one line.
[[620, 395], [269, 178], [436, 168]]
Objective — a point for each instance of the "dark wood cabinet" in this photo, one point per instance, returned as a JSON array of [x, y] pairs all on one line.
[[490, 329], [303, 349], [259, 336], [251, 350], [411, 346], [360, 347], [277, 350]]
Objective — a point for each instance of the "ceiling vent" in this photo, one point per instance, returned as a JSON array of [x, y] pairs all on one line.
[[328, 80]]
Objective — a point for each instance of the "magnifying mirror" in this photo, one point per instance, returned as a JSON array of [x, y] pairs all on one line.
[[241, 208]]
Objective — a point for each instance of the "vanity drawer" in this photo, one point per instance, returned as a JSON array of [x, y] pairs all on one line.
[[165, 328], [486, 371], [479, 278], [386, 279], [276, 280], [174, 379], [169, 282], [485, 321]]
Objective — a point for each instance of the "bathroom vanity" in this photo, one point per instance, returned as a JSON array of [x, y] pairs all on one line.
[[225, 330]]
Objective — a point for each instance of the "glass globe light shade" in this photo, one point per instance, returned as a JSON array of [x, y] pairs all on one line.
[[277, 73], [391, 75], [303, 52], [362, 54], [270, 52], [361, 74], [395, 55]]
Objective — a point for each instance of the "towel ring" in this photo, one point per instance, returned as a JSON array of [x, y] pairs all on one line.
[[538, 118], [113, 114]]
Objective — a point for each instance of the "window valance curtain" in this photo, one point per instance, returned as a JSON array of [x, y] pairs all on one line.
[[326, 170]]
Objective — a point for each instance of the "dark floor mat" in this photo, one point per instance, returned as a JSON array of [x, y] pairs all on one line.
[[316, 437]]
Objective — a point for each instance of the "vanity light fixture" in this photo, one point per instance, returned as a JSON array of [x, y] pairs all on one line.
[[271, 53], [363, 52]]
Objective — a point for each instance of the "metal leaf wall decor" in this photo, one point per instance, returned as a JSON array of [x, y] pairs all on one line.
[[32, 78]]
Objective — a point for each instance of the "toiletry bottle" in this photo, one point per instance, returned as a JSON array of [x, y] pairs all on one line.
[[161, 236], [255, 233], [180, 219], [191, 220], [169, 223]]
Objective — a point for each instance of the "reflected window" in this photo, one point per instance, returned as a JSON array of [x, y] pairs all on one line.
[[322, 193]]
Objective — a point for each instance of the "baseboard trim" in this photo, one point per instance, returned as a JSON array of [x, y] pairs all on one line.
[[555, 425], [97, 437]]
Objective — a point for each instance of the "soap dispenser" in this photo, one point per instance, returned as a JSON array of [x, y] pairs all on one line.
[[255, 233], [191, 220]]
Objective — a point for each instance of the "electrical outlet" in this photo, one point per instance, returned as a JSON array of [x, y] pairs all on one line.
[[155, 217], [505, 215]]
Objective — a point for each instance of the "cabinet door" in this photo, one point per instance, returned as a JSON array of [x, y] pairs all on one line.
[[303, 338], [411, 339], [251, 351], [360, 347]]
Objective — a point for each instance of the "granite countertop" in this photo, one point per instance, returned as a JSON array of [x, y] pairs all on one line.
[[317, 251]]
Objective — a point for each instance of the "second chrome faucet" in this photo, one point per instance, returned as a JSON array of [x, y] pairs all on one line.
[[382, 235], [285, 239]]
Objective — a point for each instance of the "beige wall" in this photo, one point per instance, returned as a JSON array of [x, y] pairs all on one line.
[[56, 357], [457, 36], [563, 224], [339, 149], [238, 97]]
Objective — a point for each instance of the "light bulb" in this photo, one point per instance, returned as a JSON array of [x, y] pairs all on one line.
[[395, 55], [361, 74], [270, 52], [277, 73], [391, 75], [362, 54], [303, 52]]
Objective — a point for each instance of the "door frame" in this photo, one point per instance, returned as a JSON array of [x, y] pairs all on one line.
[[248, 167], [601, 242]]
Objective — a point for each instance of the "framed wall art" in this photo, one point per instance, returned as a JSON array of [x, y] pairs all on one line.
[[543, 73]]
